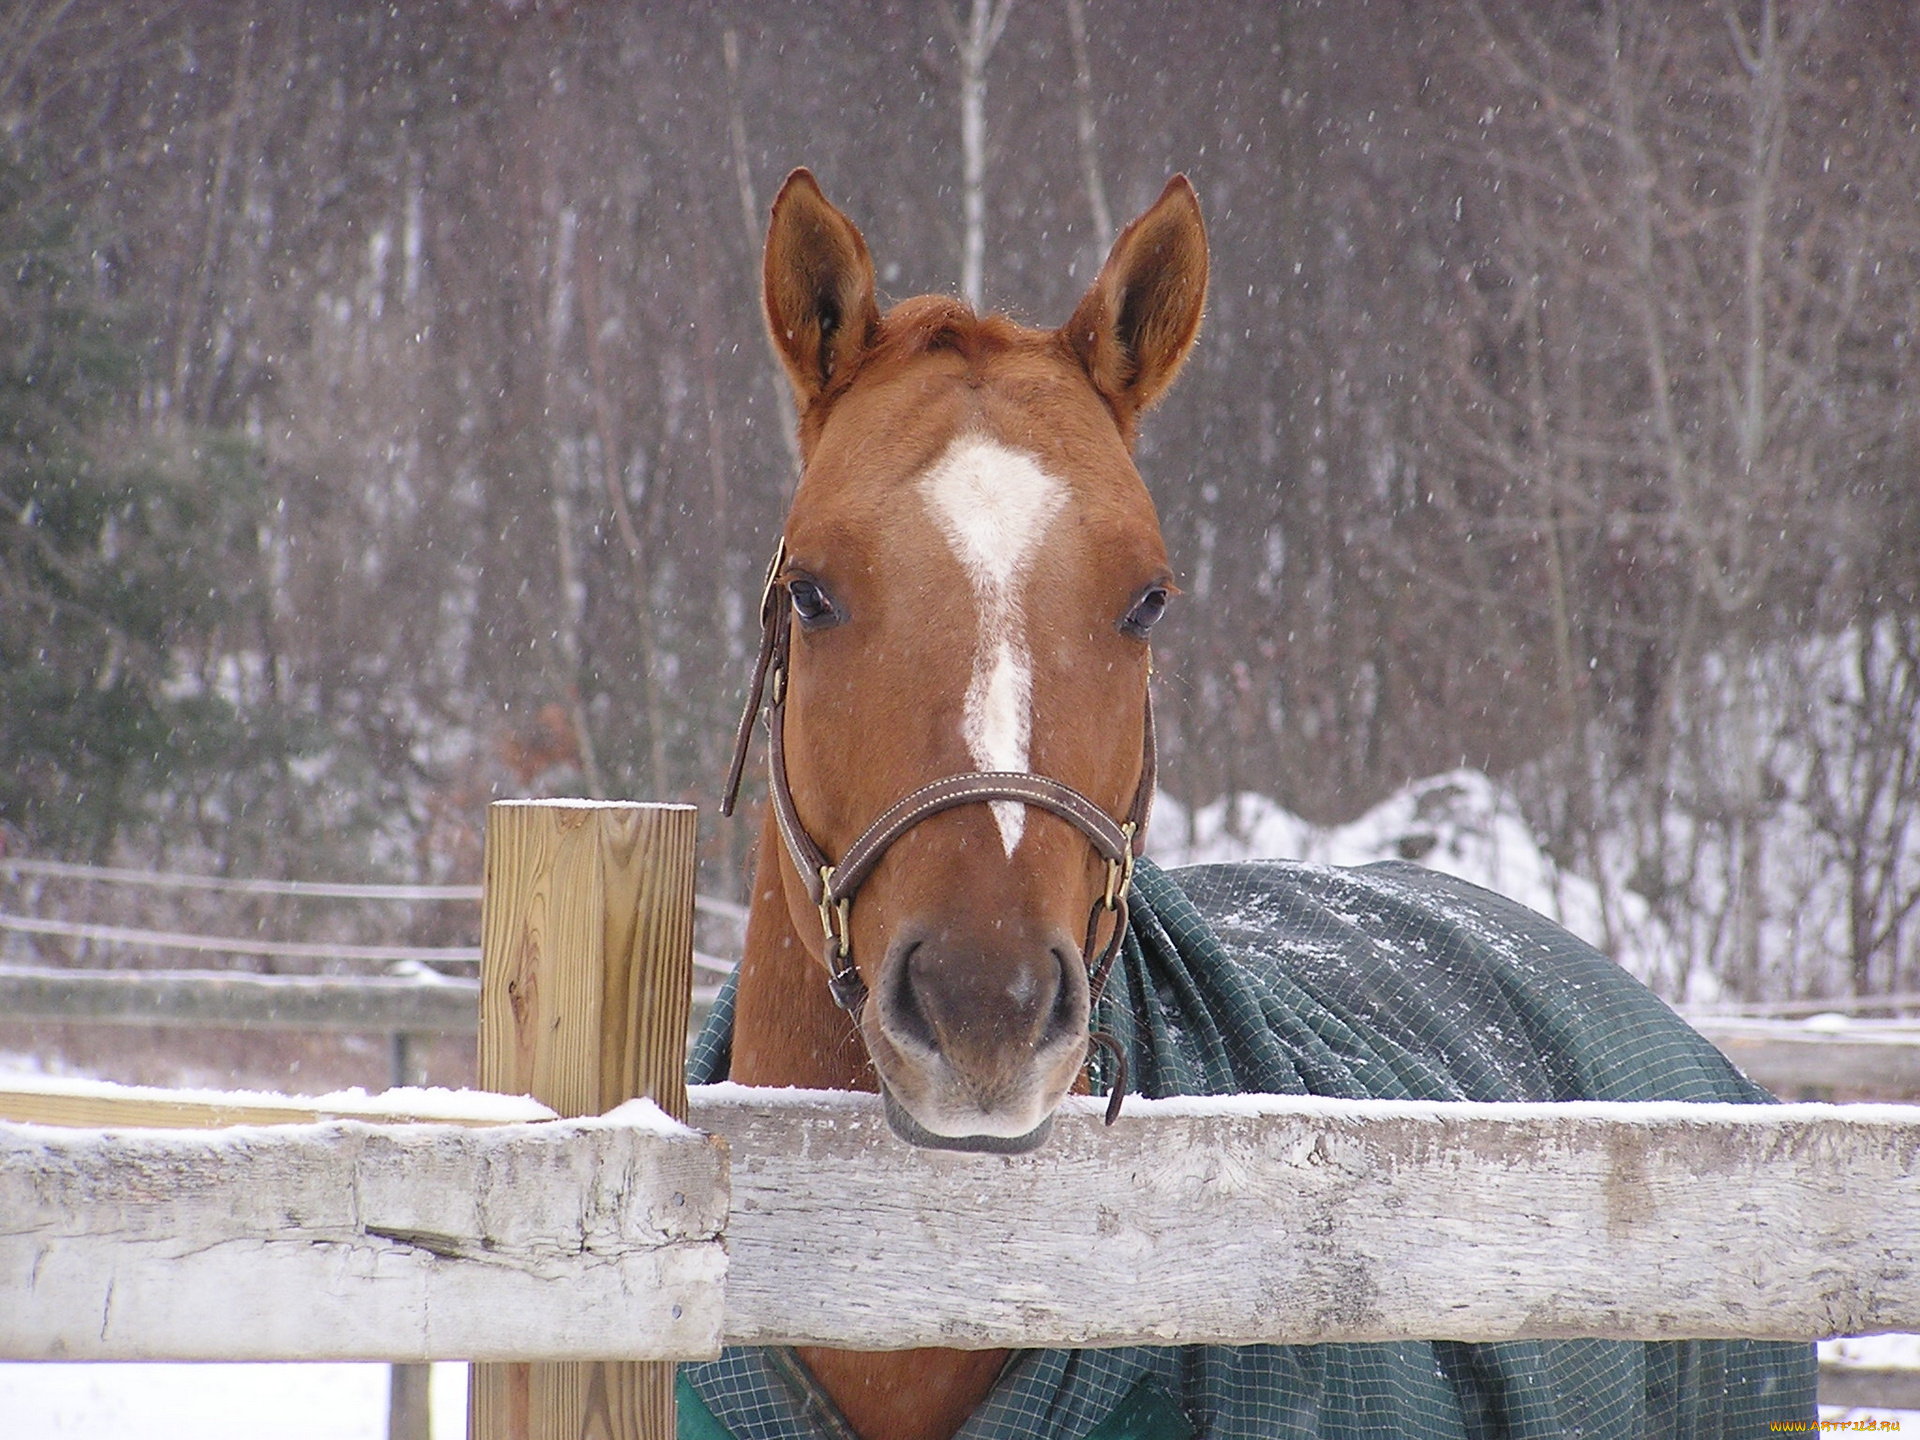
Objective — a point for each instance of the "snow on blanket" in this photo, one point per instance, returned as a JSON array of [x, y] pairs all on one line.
[[1391, 983]]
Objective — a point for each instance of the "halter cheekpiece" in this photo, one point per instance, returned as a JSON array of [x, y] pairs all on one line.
[[832, 886]]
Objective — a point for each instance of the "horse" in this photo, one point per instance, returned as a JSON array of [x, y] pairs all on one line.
[[950, 904]]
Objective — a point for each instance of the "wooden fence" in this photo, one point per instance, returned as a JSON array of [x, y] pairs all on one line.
[[1876, 1059], [795, 1217]]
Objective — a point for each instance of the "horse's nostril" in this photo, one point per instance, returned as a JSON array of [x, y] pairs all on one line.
[[978, 1011], [1064, 1020], [906, 1014]]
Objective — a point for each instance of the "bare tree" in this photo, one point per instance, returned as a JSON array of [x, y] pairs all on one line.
[[1655, 358], [986, 20], [756, 224], [1102, 215]]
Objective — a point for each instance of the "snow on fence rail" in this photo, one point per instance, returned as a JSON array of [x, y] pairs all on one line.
[[1879, 1059], [1301, 1220], [356, 1241], [1244, 1219]]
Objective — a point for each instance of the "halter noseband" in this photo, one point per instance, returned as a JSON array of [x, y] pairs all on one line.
[[832, 886]]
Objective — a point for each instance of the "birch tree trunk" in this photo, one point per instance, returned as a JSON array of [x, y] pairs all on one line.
[[985, 21], [1089, 141]]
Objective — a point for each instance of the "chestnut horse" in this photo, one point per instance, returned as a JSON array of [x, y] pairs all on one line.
[[966, 586], [955, 666]]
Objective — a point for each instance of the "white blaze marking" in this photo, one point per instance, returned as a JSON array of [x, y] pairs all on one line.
[[994, 506]]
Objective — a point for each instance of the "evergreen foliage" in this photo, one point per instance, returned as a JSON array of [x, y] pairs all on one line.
[[117, 561]]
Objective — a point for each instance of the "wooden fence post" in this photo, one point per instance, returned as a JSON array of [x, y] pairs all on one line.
[[586, 970]]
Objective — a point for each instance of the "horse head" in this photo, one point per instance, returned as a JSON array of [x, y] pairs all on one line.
[[956, 657]]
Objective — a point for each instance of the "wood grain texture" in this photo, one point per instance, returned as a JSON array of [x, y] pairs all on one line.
[[1267, 1219], [1226, 1221], [586, 974], [349, 1241]]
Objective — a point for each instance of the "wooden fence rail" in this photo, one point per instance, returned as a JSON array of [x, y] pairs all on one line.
[[238, 1000], [1856, 1059], [709, 905], [1304, 1220], [1235, 1221], [420, 1003], [351, 1241]]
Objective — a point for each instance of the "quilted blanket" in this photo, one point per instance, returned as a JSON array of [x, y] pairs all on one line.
[[1388, 981]]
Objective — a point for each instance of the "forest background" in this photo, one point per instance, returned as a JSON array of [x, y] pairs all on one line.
[[386, 423]]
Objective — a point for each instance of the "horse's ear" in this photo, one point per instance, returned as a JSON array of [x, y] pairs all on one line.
[[1133, 328], [818, 287]]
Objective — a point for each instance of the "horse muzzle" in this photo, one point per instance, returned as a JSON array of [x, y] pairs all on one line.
[[975, 1047]]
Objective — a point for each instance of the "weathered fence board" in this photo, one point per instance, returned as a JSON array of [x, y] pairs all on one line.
[[1231, 1221], [1302, 1220], [349, 1241]]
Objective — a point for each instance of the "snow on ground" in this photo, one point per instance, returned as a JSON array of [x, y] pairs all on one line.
[[1459, 822], [1874, 1352], [215, 1402]]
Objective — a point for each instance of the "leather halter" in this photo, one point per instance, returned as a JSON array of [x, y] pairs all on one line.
[[832, 886]]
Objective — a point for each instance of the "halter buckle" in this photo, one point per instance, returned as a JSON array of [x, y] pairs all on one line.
[[834, 918], [843, 976], [1119, 872]]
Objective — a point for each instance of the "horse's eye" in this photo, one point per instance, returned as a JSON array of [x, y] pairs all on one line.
[[1146, 612], [811, 603]]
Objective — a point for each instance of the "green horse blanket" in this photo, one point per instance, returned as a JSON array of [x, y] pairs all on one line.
[[1391, 982]]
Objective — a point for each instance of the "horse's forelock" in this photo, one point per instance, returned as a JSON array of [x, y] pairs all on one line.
[[936, 324], [927, 327]]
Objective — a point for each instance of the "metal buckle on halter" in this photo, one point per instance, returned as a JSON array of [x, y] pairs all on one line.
[[843, 977], [1119, 872], [830, 911]]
